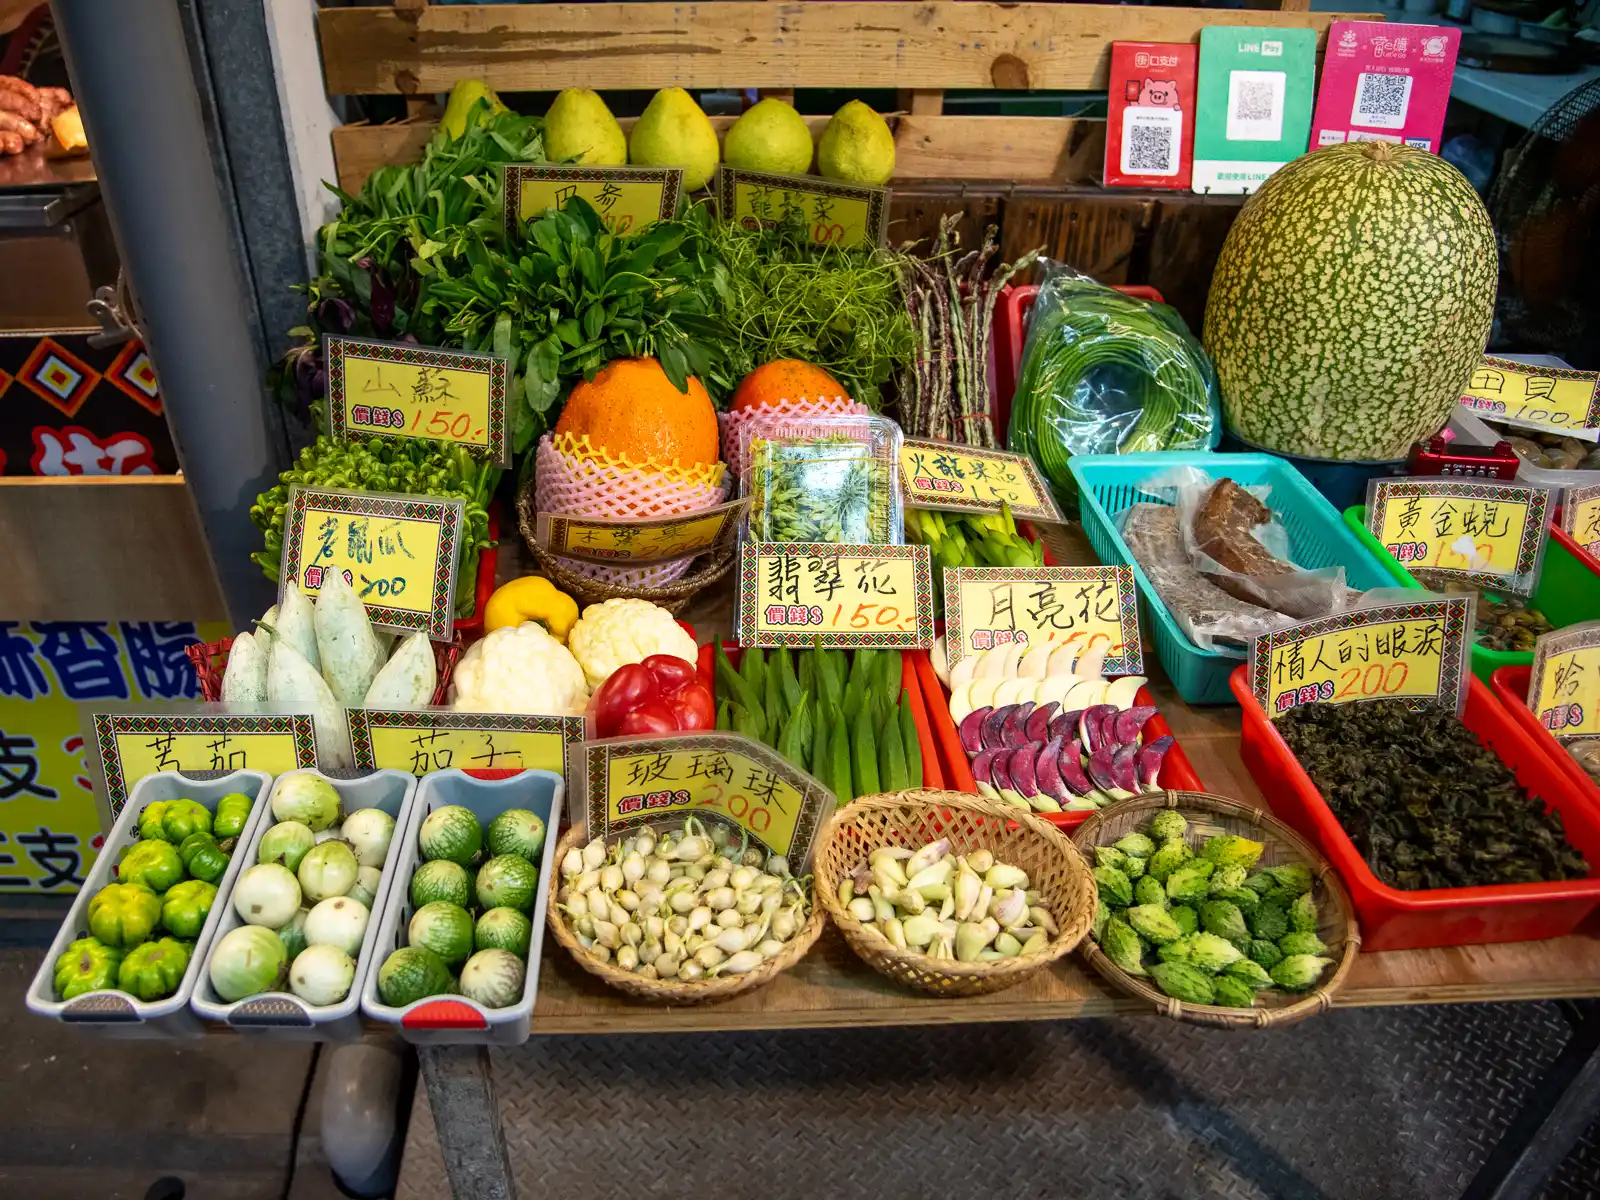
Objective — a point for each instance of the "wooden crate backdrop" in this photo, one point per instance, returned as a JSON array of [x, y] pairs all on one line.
[[1035, 176]]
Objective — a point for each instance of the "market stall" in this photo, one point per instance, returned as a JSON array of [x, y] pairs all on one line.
[[717, 615]]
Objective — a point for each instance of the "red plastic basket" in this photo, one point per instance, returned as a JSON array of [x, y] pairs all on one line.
[[932, 775], [1510, 686], [1392, 919], [1010, 335]]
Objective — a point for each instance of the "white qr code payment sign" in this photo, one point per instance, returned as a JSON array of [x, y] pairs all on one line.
[[1381, 101], [1255, 106], [1151, 140]]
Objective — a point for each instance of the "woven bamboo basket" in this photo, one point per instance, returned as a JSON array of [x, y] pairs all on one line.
[[674, 596], [1209, 815], [673, 991], [912, 819]]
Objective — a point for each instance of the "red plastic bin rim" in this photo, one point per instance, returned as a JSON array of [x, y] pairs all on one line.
[[1572, 545], [1341, 849], [444, 1014], [1510, 686]]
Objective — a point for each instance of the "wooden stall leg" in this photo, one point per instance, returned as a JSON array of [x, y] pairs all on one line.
[[467, 1116]]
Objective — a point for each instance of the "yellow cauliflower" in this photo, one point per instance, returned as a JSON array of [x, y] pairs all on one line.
[[619, 632]]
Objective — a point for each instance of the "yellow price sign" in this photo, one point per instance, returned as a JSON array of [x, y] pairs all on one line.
[[649, 539], [1491, 534], [626, 198], [132, 746], [1547, 397], [395, 390], [1580, 516], [1090, 607], [965, 479], [424, 740], [1564, 688], [399, 553], [713, 776], [809, 593], [1410, 652], [833, 213]]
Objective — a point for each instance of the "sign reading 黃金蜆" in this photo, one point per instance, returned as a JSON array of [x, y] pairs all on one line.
[[1484, 533]]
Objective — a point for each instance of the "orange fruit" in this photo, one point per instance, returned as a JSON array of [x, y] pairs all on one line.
[[630, 409], [785, 379]]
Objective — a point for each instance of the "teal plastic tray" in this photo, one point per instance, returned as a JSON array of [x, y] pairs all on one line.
[[1318, 537]]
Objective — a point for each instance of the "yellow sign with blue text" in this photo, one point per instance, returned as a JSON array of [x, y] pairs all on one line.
[[51, 824], [399, 553], [1488, 534]]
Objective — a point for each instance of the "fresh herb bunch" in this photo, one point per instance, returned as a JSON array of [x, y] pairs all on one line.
[[1426, 804], [782, 296], [410, 466]]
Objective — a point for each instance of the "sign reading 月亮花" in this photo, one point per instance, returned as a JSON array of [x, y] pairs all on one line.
[[1089, 607]]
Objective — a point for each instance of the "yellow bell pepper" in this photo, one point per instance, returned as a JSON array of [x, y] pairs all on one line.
[[531, 598]]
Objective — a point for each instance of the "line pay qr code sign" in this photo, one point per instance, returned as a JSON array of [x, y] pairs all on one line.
[[1253, 105], [1150, 126], [1385, 82]]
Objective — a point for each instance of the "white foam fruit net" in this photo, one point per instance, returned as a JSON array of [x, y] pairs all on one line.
[[592, 488], [734, 451]]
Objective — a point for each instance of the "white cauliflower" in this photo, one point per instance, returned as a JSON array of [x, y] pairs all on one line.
[[519, 669], [619, 632]]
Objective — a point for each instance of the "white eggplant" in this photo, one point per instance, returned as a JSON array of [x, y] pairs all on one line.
[[351, 656], [245, 679], [407, 680]]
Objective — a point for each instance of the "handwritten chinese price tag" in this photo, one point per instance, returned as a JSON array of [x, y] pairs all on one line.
[[966, 479], [714, 776], [1488, 534], [399, 553], [627, 198], [1564, 688], [651, 539], [1545, 397], [424, 740], [1410, 652], [797, 594], [133, 746], [1580, 516], [833, 213], [1090, 607], [395, 390]]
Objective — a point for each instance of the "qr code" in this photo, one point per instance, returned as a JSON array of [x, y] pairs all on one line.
[[1252, 101], [1150, 149], [1381, 101]]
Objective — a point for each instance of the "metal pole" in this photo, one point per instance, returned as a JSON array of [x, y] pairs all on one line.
[[134, 85]]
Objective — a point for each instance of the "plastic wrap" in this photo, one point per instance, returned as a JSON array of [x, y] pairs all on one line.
[[823, 479], [1104, 373]]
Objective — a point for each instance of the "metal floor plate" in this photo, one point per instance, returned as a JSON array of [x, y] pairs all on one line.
[[1372, 1103]]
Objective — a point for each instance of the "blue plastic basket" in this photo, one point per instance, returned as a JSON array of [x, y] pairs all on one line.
[[1109, 484]]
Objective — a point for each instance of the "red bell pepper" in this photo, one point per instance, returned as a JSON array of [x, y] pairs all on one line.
[[663, 694]]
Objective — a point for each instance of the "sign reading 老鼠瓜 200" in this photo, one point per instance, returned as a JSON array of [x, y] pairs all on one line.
[[399, 553], [397, 390]]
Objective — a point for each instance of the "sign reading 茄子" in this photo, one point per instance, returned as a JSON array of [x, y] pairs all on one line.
[[966, 479], [806, 594], [399, 553], [645, 539], [1564, 687], [626, 198], [1411, 652], [425, 740], [714, 776], [1487, 534], [1541, 397], [1090, 607], [397, 390], [832, 213]]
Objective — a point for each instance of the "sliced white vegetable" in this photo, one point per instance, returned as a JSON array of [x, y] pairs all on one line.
[[1088, 667], [1010, 655], [1054, 687], [1062, 658], [960, 702], [1035, 661], [245, 680], [981, 691], [1084, 693], [1014, 691], [963, 671], [941, 661], [1121, 692], [992, 665]]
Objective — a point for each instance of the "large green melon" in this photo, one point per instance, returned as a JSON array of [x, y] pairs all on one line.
[[1351, 302]]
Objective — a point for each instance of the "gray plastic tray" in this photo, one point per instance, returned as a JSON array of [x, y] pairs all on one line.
[[114, 1013], [283, 1014], [455, 1020]]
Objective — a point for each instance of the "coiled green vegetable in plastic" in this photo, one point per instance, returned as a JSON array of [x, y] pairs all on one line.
[[1105, 373]]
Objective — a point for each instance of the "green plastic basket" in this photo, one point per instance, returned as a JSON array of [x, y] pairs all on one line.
[[1568, 590]]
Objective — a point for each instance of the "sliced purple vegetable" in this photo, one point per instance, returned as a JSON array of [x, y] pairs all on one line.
[[1099, 769], [972, 729], [1047, 772], [1011, 733], [1108, 730], [998, 775], [982, 776], [1066, 725], [1038, 728], [1128, 724], [1090, 726], [992, 740], [1148, 765], [1020, 767], [1072, 772], [1122, 768]]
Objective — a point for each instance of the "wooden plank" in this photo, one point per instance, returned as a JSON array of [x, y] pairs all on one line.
[[1022, 149], [915, 211], [1094, 230], [87, 549], [921, 102], [754, 43], [1188, 236]]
